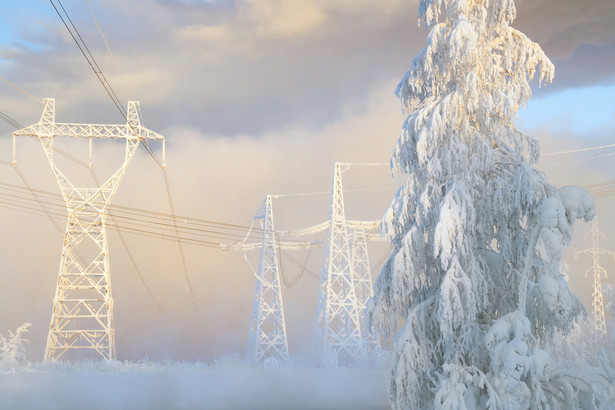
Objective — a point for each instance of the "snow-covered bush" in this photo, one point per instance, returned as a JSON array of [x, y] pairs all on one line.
[[13, 350], [478, 232]]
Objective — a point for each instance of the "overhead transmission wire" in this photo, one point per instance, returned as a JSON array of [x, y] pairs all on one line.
[[153, 223], [103, 80], [90, 60], [117, 66], [39, 100], [573, 151], [302, 266], [578, 150], [601, 190], [117, 228], [289, 284], [145, 215], [329, 192], [6, 118], [29, 207], [574, 161], [124, 221], [383, 258], [179, 244]]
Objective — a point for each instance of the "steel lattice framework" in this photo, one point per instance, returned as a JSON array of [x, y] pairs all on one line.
[[267, 341], [82, 315], [363, 284], [598, 320], [337, 332]]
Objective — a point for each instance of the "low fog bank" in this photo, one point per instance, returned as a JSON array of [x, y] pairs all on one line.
[[224, 385]]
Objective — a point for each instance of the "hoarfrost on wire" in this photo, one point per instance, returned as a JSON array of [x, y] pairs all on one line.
[[478, 232]]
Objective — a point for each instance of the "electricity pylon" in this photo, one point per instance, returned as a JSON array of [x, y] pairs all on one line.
[[598, 320], [82, 315], [337, 332], [363, 284], [267, 339]]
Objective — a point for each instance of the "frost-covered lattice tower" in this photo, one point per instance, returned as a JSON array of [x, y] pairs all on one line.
[[337, 332], [598, 319], [267, 339], [363, 283], [82, 316]]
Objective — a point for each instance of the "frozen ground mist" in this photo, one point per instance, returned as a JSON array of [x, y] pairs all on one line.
[[228, 383]]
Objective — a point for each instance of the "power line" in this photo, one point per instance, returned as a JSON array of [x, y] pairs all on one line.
[[54, 205], [179, 244], [39, 100], [6, 118], [578, 150], [90, 60], [117, 66], [328, 192], [147, 217], [302, 266], [580, 160]]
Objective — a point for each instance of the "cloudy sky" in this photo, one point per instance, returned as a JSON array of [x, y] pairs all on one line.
[[257, 97]]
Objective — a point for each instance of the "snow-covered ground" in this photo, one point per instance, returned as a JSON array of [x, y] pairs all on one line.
[[224, 385]]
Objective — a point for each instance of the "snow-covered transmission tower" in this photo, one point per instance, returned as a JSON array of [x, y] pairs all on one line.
[[82, 316], [337, 332], [267, 328], [598, 319], [267, 343], [363, 283]]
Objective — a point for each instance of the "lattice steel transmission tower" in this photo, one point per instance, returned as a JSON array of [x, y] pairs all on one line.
[[598, 320], [338, 338], [82, 315], [267, 341], [363, 284]]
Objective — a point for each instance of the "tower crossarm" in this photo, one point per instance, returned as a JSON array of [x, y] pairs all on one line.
[[306, 231], [363, 225], [60, 129], [286, 245], [47, 129], [592, 251]]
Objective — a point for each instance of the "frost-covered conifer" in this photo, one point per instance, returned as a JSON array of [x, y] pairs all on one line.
[[478, 233], [12, 349]]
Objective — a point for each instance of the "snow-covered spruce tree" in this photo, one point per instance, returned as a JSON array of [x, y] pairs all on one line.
[[478, 233]]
